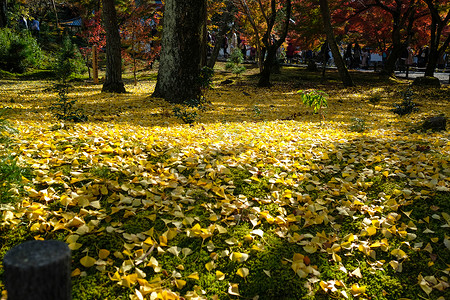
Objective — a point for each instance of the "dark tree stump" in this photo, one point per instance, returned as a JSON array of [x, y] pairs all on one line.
[[427, 81], [312, 66], [38, 270], [435, 123]]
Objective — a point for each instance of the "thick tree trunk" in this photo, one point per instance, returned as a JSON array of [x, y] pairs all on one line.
[[181, 51], [3, 10], [113, 79], [394, 55], [338, 60], [399, 21], [436, 29], [264, 79]]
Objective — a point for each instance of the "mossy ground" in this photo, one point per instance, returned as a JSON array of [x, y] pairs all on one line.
[[179, 166]]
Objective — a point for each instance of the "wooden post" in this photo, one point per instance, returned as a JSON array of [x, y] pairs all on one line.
[[38, 270], [95, 64]]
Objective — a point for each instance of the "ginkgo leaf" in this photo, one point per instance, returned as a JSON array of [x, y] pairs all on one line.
[[371, 230], [399, 253], [174, 250], [243, 272], [239, 257], [103, 253], [87, 261], [210, 265], [186, 251], [357, 273], [180, 283], [220, 275], [397, 266], [194, 276], [311, 248], [447, 242], [357, 290], [75, 246], [233, 289], [257, 232], [424, 285]]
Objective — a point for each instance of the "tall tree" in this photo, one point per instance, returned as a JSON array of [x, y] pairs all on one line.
[[404, 13], [3, 10], [438, 24], [183, 40], [271, 42], [249, 15], [339, 62], [113, 79], [226, 19], [400, 14]]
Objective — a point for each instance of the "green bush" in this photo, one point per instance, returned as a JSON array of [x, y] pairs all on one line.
[[11, 174], [69, 61], [235, 61], [5, 127], [316, 100], [407, 106], [18, 51]]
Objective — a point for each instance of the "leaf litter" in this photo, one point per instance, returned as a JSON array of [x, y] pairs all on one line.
[[326, 192]]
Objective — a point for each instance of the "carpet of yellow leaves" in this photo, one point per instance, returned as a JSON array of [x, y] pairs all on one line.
[[317, 174]]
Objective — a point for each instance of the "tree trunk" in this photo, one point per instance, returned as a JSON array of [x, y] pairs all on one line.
[[338, 60], [3, 10], [436, 29], [264, 79], [272, 44], [113, 79], [38, 270], [227, 17], [181, 51], [399, 22]]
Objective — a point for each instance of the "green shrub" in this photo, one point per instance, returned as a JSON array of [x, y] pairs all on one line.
[[69, 61], [5, 127], [407, 106], [11, 178], [64, 108], [235, 61], [316, 100], [18, 51]]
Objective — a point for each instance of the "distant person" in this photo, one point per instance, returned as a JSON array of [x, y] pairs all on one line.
[[403, 58], [290, 53], [410, 59], [384, 56], [365, 58], [252, 53], [233, 41], [356, 56], [348, 56], [325, 52], [423, 57], [243, 48], [35, 28], [225, 46], [441, 61]]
